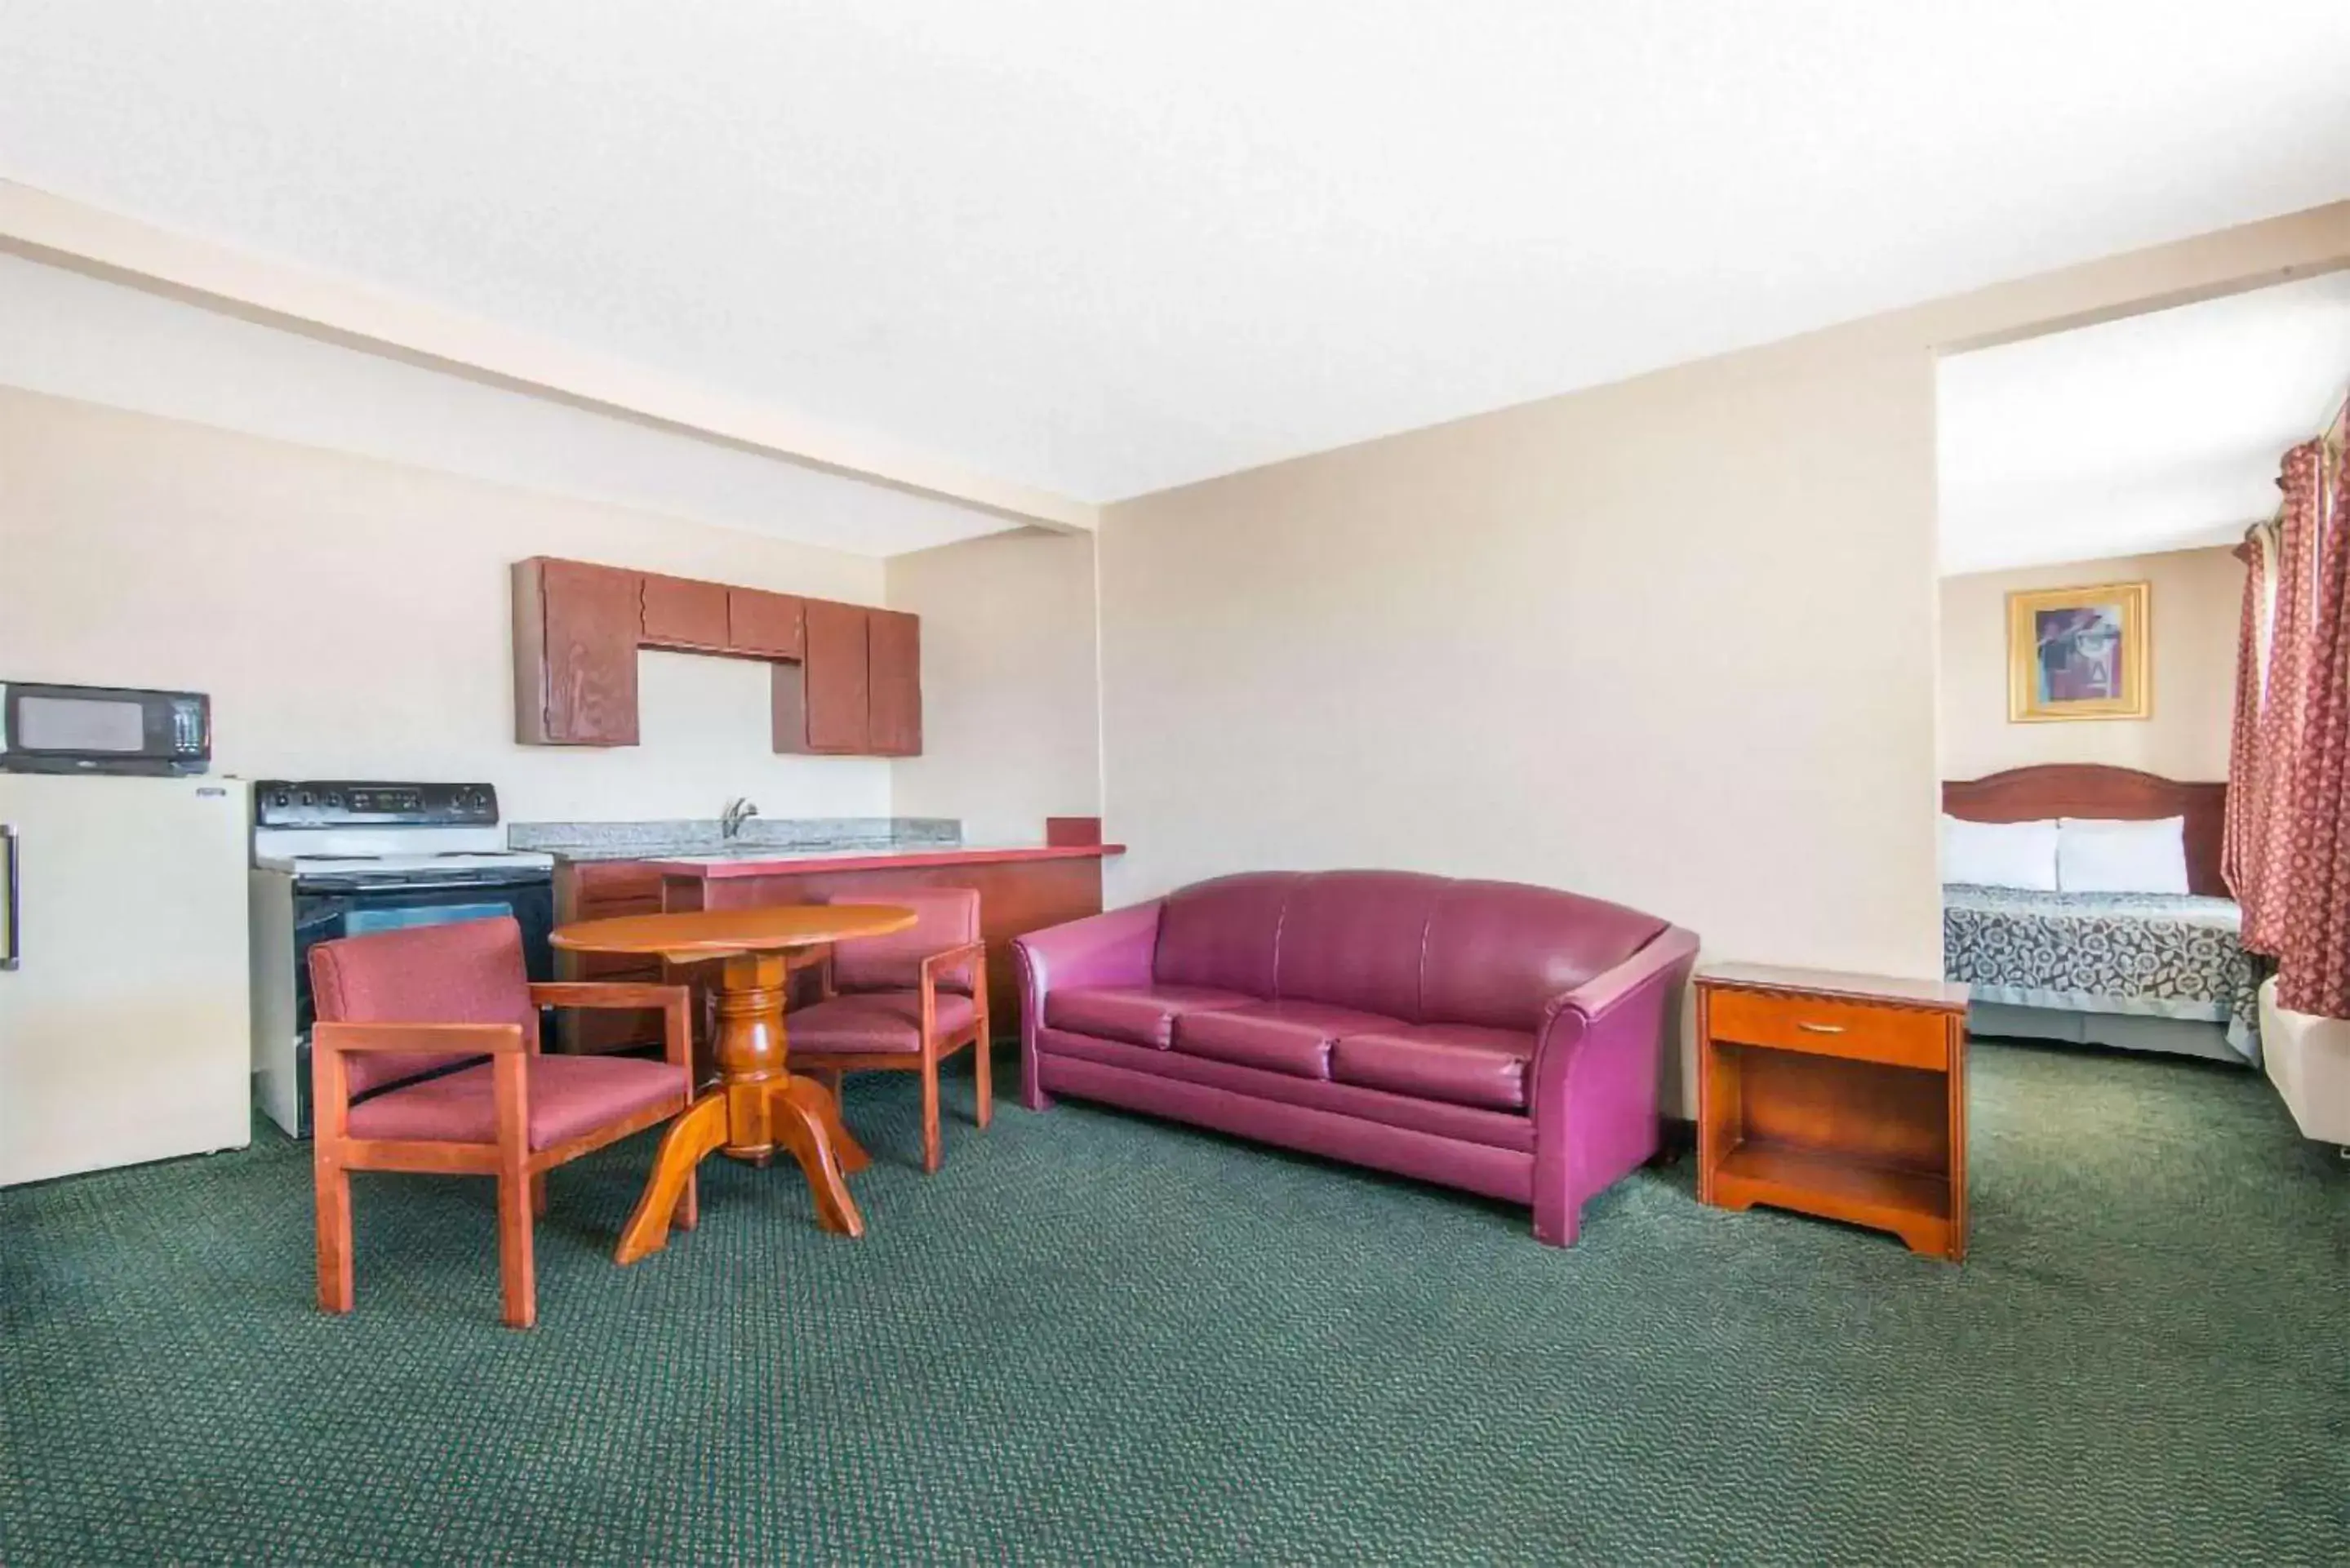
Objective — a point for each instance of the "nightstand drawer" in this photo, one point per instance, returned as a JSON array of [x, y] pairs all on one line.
[[1823, 1026]]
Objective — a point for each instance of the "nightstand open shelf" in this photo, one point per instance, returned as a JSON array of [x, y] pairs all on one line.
[[1835, 1095]]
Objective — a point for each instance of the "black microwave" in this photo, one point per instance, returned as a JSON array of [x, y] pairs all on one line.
[[103, 729]]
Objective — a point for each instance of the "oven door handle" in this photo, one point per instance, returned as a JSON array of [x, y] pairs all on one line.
[[429, 885]]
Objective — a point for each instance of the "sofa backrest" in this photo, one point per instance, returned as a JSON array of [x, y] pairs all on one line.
[[1353, 939], [1398, 944], [1223, 933], [1498, 952]]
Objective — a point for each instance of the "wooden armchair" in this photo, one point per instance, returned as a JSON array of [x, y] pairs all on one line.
[[425, 1059], [903, 1002]]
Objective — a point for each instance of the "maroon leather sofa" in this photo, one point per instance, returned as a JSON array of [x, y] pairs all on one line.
[[1487, 1036]]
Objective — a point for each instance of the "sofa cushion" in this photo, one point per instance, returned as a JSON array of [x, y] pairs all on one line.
[[1138, 1014], [1279, 1036], [1352, 938], [1222, 934], [1498, 952], [864, 1021], [567, 1095], [1459, 1063]]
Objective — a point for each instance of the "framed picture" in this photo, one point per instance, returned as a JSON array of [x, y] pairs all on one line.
[[2078, 653]]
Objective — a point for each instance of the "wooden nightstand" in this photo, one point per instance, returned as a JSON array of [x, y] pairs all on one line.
[[1842, 1096]]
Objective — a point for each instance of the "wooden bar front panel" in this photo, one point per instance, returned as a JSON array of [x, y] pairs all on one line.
[[1013, 899]]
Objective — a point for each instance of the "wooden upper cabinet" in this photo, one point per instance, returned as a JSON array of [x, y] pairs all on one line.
[[575, 632], [847, 679], [836, 676], [770, 626], [894, 673], [682, 613]]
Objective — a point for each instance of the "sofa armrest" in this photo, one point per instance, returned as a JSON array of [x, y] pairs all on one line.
[[1114, 948], [1110, 949], [1595, 1075], [1667, 958]]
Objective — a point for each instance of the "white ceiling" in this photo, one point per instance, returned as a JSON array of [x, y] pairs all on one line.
[[2154, 433], [76, 337], [1105, 248]]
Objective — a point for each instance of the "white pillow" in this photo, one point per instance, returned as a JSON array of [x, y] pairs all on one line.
[[2000, 854], [2099, 857]]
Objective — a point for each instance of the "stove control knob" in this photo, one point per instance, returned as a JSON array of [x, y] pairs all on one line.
[[335, 801], [309, 799]]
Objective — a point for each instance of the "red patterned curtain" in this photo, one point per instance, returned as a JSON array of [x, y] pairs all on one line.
[[2239, 857], [2263, 792], [2314, 975], [2288, 833]]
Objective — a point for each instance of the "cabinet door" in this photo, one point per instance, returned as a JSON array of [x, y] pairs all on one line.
[[764, 624], [681, 613], [591, 618], [894, 656], [835, 670]]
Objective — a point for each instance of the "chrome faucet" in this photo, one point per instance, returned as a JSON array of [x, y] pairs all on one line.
[[730, 820]]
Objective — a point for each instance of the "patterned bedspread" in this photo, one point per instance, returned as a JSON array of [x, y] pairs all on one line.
[[2155, 954]]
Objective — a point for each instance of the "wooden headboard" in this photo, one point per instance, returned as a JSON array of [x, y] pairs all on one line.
[[2090, 789]]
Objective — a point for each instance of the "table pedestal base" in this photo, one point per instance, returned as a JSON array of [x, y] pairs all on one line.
[[756, 1107]]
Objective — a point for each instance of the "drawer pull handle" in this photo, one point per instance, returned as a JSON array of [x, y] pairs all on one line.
[[1821, 1028]]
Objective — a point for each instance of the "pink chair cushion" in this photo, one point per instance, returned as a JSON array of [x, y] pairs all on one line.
[[1137, 1015], [1457, 1062], [469, 972], [1293, 1037], [944, 917], [871, 1021], [568, 1096]]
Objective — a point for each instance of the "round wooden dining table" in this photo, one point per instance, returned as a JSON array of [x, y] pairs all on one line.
[[757, 1103]]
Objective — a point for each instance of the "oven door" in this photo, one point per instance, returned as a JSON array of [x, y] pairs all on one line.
[[328, 908]]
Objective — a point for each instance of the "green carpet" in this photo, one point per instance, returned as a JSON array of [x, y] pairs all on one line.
[[1097, 1338]]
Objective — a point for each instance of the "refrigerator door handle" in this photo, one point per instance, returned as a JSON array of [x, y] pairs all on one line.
[[10, 949]]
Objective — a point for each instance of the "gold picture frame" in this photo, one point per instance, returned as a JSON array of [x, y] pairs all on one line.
[[2079, 653]]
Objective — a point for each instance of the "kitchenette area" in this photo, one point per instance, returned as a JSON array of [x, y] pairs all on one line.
[[159, 911]]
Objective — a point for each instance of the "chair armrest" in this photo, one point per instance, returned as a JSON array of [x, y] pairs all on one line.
[[438, 1039], [503, 1044], [947, 957], [675, 1002], [605, 994]]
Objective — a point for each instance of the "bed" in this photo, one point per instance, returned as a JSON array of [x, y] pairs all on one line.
[[2140, 971]]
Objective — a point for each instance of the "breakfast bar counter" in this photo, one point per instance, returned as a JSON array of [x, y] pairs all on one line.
[[760, 862], [655, 868]]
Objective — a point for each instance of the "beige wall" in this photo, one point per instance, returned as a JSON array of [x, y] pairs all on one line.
[[350, 617], [1010, 699], [1670, 641], [2195, 598]]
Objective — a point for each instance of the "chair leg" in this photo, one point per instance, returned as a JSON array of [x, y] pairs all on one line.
[[335, 1293], [983, 1054], [517, 1279], [538, 1196], [687, 1212], [929, 1112]]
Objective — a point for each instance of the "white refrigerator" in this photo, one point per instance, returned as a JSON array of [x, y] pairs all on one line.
[[125, 986]]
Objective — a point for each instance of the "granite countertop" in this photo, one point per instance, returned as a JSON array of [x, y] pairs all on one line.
[[589, 841], [753, 861]]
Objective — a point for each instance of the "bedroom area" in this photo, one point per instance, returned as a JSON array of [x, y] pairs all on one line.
[[2145, 628]]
